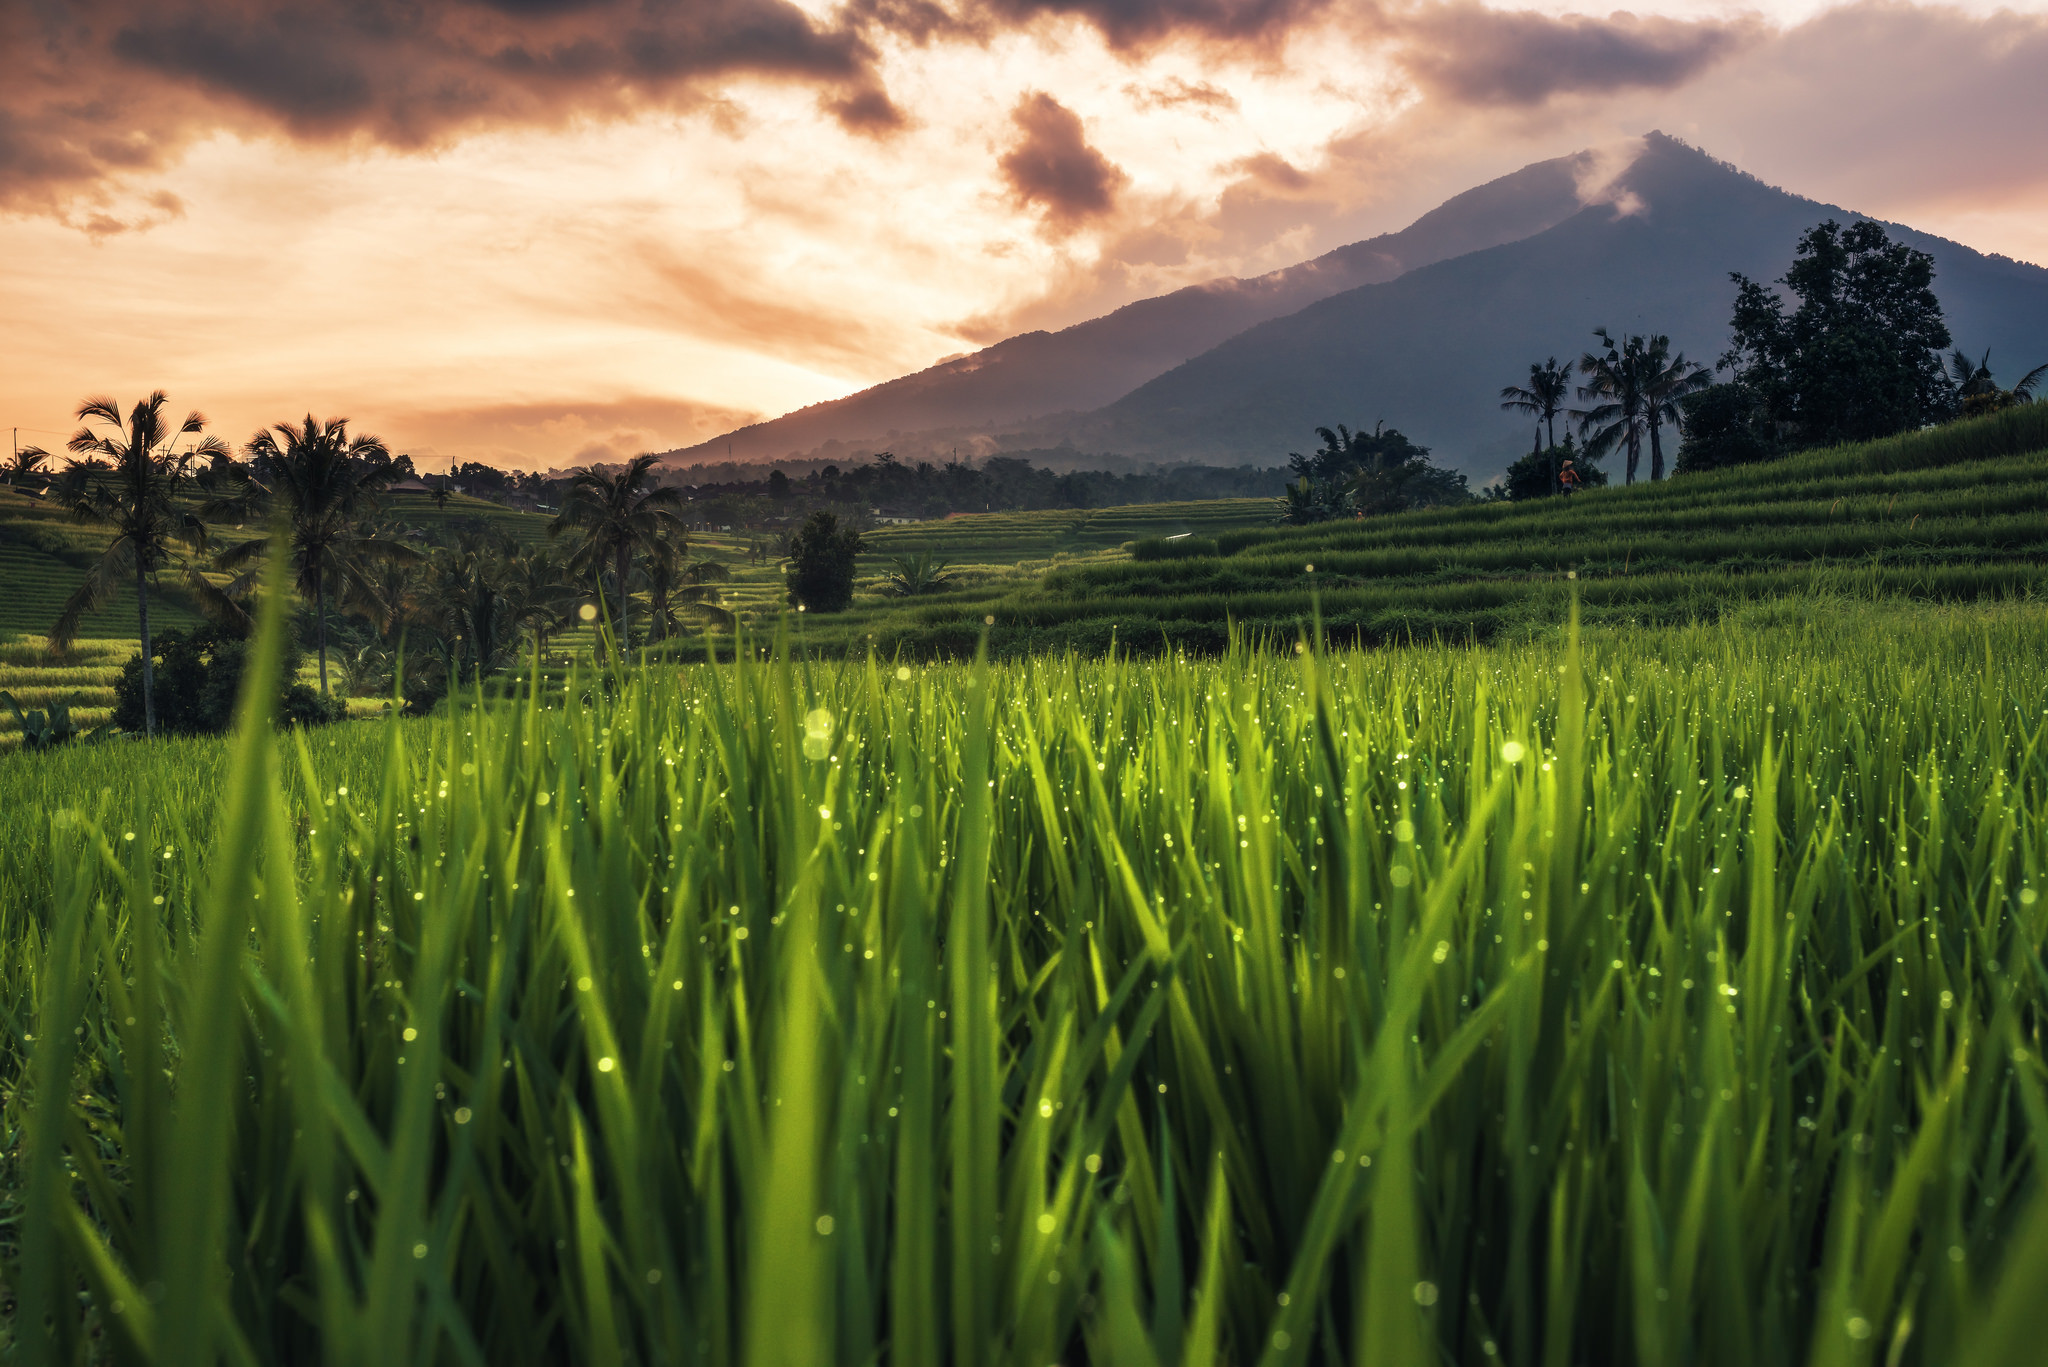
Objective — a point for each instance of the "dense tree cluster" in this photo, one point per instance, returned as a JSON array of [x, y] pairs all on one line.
[[885, 486], [1860, 355], [1363, 474]]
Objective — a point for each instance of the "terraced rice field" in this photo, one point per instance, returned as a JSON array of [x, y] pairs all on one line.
[[1956, 513], [85, 681]]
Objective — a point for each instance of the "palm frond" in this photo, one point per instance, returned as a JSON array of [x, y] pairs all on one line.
[[101, 583], [222, 606], [102, 407]]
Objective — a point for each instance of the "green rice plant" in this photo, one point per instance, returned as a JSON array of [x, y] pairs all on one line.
[[1666, 996]]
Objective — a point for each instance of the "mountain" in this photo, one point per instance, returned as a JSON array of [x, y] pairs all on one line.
[[1429, 351], [1094, 363], [1420, 328]]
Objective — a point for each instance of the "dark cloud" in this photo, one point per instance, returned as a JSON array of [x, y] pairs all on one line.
[[96, 89], [1053, 168], [1472, 55], [869, 111], [1174, 92], [1136, 23]]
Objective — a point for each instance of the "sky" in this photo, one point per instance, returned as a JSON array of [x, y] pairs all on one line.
[[544, 232]]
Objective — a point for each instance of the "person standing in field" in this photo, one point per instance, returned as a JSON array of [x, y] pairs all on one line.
[[1568, 478]]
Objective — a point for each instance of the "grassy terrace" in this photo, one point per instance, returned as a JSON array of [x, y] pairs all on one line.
[[1955, 513]]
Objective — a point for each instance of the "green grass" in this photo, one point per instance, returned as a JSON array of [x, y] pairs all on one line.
[[1673, 998]]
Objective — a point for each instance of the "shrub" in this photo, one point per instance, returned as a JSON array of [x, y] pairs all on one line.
[[821, 564], [199, 677]]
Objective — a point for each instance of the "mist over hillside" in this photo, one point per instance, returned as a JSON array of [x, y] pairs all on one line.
[[1420, 328]]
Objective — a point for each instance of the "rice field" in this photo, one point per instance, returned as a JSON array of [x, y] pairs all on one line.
[[1951, 514], [1660, 997]]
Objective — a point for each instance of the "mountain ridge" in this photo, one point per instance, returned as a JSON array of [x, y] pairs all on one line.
[[1420, 327], [1094, 362]]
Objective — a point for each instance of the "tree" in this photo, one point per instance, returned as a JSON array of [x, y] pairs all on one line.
[[1666, 380], [1977, 392], [618, 514], [1859, 358], [821, 564], [1550, 384], [1725, 424], [1361, 472], [473, 589], [24, 469], [675, 581], [128, 479], [324, 484], [1619, 378], [200, 680], [1531, 475]]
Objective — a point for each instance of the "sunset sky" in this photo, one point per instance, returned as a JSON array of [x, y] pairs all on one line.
[[544, 231]]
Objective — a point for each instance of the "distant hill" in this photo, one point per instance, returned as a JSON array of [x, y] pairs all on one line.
[[1093, 363], [1420, 327], [1430, 351]]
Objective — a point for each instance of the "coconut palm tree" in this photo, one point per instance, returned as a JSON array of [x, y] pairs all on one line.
[[617, 513], [2023, 392], [25, 468], [1618, 378], [674, 579], [324, 484], [1979, 393], [127, 479], [473, 593], [1550, 384], [1667, 379]]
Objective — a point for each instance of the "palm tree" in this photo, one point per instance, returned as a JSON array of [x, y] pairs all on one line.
[[25, 468], [324, 483], [1667, 379], [1970, 378], [1550, 384], [672, 578], [918, 574], [128, 480], [2023, 392], [1979, 392], [474, 597], [617, 514], [1617, 377], [544, 593]]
